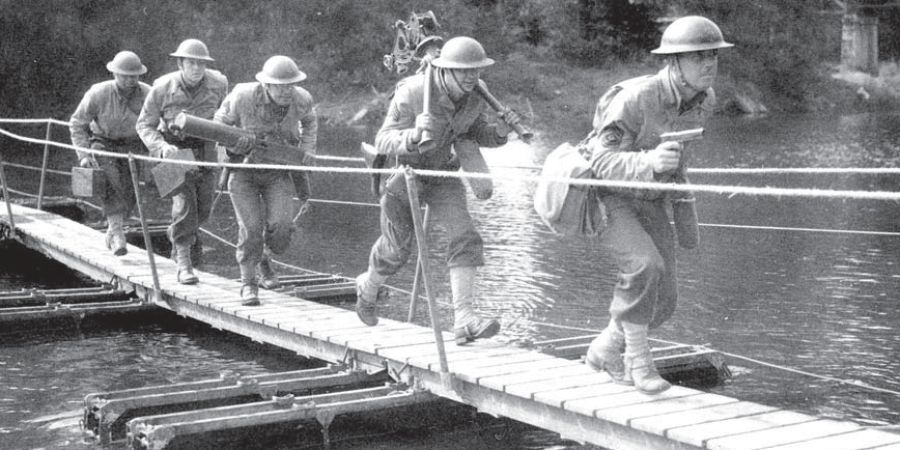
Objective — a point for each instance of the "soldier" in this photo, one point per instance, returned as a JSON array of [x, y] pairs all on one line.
[[276, 109], [427, 50], [104, 120], [198, 91], [456, 114], [626, 145]]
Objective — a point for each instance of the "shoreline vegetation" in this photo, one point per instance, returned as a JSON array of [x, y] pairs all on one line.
[[554, 57]]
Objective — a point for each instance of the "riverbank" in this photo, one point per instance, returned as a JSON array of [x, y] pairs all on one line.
[[559, 99]]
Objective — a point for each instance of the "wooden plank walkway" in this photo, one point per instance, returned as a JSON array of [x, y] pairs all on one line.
[[556, 394]]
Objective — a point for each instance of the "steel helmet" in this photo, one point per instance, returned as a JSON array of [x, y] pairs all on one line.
[[126, 63], [691, 34], [424, 43], [280, 70], [192, 48], [462, 53]]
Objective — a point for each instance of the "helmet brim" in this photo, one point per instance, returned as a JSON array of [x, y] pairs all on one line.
[[184, 55], [263, 78], [110, 67], [428, 42], [444, 64], [670, 49]]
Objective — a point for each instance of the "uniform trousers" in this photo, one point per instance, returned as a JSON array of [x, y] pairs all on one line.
[[640, 240], [446, 200]]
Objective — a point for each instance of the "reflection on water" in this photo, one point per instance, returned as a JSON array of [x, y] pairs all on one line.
[[816, 302]]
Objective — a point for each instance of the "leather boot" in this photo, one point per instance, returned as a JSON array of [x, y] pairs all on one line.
[[369, 291], [639, 362], [115, 234], [183, 261], [467, 324], [605, 353], [265, 274], [249, 294]]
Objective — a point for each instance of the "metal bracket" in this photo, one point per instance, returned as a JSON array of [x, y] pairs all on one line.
[[348, 359], [397, 375]]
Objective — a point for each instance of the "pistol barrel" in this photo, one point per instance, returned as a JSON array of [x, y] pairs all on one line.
[[682, 136]]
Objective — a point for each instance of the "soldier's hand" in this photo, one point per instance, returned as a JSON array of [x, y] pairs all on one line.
[[508, 118], [424, 122], [308, 159], [244, 145], [174, 130], [665, 157], [88, 161], [169, 151]]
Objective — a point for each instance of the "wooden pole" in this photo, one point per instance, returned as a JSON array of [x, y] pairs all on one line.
[[40, 200], [148, 242], [422, 244], [417, 280], [12, 223]]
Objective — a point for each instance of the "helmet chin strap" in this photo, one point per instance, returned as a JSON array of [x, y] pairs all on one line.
[[450, 84]]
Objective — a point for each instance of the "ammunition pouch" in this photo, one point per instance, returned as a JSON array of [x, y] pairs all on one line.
[[684, 215], [301, 185]]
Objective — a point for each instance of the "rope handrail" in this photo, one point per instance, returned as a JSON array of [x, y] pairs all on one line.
[[692, 170], [768, 170], [35, 121], [670, 187], [710, 225]]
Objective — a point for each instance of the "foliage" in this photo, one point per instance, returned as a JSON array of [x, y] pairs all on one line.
[[56, 48]]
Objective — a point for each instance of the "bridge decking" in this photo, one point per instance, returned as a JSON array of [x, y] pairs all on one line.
[[556, 394]]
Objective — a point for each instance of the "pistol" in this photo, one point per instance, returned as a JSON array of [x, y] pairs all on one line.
[[682, 136]]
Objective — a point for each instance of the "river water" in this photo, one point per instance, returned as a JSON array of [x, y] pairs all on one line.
[[824, 303]]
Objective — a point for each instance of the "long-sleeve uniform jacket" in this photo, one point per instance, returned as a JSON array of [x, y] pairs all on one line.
[[627, 123], [105, 120], [104, 114], [455, 124], [167, 98], [249, 107]]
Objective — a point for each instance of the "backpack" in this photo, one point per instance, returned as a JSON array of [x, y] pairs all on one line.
[[569, 210]]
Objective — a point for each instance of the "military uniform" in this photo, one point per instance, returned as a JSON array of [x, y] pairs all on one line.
[[262, 199], [629, 119], [105, 120], [169, 97]]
